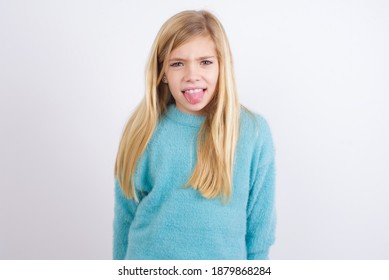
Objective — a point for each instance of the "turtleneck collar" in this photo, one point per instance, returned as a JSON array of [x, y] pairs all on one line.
[[174, 114]]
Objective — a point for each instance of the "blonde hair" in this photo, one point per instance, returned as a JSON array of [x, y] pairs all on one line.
[[216, 143]]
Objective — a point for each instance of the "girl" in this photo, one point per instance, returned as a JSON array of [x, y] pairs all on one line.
[[194, 170]]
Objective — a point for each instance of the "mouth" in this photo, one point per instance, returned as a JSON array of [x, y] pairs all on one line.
[[194, 95]]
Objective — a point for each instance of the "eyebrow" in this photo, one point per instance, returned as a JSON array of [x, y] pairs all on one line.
[[199, 58]]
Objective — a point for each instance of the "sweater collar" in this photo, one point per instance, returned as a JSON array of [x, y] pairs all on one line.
[[187, 119]]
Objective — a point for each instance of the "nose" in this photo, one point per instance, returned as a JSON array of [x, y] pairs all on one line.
[[192, 73]]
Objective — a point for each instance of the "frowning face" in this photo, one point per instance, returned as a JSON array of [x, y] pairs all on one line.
[[192, 73]]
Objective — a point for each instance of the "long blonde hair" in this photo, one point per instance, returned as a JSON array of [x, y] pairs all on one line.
[[216, 143]]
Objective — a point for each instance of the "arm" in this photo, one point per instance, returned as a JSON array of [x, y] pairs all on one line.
[[123, 215], [261, 214]]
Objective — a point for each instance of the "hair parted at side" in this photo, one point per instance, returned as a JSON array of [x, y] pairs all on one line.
[[216, 143]]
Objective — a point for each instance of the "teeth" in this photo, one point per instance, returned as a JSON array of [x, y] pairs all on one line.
[[193, 90]]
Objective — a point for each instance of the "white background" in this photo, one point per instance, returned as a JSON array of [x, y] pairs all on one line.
[[71, 72]]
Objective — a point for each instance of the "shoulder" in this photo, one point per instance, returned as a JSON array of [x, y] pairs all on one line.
[[254, 123], [255, 130]]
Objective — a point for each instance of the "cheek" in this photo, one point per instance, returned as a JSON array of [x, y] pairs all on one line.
[[216, 73], [173, 78], [174, 87], [215, 78]]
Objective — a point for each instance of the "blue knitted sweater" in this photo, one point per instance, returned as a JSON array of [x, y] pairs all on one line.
[[171, 222]]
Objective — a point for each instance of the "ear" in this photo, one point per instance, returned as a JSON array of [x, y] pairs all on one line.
[[164, 79]]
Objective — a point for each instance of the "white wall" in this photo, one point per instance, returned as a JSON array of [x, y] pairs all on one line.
[[72, 71]]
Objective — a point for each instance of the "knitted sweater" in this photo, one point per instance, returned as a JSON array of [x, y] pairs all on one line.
[[171, 222]]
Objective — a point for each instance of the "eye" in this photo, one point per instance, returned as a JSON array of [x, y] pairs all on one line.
[[176, 64], [206, 62]]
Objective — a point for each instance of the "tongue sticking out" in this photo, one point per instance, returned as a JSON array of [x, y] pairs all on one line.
[[194, 97]]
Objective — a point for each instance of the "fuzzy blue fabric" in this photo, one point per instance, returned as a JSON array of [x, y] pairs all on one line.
[[171, 222]]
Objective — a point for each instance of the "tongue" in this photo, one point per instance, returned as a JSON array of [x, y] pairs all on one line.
[[194, 98]]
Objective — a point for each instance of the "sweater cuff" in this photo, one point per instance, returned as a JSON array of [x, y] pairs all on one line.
[[261, 255]]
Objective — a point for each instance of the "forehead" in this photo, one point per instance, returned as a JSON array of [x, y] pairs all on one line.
[[198, 46]]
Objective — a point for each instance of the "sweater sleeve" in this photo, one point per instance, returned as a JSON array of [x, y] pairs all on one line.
[[261, 214], [123, 215]]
